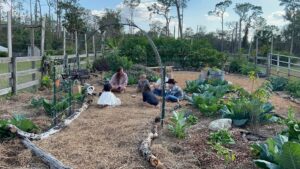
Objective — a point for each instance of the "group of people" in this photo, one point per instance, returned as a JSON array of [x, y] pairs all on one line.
[[150, 93]]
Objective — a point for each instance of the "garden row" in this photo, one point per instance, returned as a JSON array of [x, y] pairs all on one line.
[[218, 98]]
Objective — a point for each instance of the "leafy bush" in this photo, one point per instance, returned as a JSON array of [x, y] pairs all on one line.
[[36, 103], [248, 67], [178, 124], [207, 103], [293, 87], [192, 120], [192, 86], [222, 137], [224, 152], [46, 81], [112, 62], [20, 122], [206, 56], [236, 65], [278, 83], [3, 54], [245, 110]]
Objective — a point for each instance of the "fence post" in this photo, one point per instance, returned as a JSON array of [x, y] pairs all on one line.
[[12, 67], [86, 51], [76, 48], [66, 61], [94, 47], [256, 51], [278, 60], [43, 37], [269, 64], [289, 66]]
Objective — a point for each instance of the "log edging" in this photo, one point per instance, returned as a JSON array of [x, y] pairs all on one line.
[[53, 130], [145, 149]]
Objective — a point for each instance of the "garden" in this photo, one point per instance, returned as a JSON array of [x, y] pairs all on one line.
[[240, 103], [225, 121]]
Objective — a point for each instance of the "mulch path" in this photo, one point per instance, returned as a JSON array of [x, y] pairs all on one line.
[[108, 138]]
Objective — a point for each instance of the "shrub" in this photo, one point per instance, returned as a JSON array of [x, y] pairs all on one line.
[[46, 81], [222, 137], [248, 67], [192, 120], [112, 62], [278, 83], [236, 65], [3, 54], [293, 87]]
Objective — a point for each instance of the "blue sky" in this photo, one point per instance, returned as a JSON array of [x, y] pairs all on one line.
[[195, 14]]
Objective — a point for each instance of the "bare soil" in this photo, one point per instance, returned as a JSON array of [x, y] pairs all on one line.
[[108, 138]]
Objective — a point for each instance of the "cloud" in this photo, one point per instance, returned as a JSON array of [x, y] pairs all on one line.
[[214, 18], [99, 13], [276, 18]]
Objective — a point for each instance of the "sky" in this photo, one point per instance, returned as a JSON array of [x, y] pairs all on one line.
[[195, 14]]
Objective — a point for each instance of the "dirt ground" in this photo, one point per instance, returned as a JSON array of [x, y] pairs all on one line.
[[108, 138]]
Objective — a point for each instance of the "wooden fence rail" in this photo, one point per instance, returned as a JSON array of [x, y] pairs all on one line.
[[12, 71]]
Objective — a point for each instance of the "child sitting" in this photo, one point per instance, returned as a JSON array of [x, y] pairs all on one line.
[[143, 81], [149, 97], [107, 98]]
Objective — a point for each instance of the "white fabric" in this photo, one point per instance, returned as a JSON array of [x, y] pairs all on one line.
[[108, 98]]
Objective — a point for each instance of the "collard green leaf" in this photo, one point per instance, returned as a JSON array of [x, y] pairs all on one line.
[[290, 156]]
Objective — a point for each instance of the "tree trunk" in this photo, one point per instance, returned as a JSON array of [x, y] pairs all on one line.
[[240, 36], [235, 38], [292, 43], [46, 157], [179, 18], [245, 38], [222, 36]]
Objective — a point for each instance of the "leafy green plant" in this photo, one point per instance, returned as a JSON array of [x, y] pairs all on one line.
[[293, 87], [242, 111], [264, 92], [36, 103], [248, 67], [192, 86], [178, 124], [222, 137], [192, 120], [19, 121], [277, 153], [207, 103], [278, 83], [224, 152], [49, 107], [46, 81], [293, 126]]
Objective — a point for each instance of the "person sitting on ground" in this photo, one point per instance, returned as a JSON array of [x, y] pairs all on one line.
[[119, 81], [157, 86], [174, 93], [143, 81], [107, 98], [149, 97]]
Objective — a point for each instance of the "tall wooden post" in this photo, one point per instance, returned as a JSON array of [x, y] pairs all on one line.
[[94, 48], [256, 51], [86, 51], [66, 61], [43, 37], [76, 48], [289, 66], [13, 66]]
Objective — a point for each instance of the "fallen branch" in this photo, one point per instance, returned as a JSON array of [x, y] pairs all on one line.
[[46, 157], [51, 131], [145, 150]]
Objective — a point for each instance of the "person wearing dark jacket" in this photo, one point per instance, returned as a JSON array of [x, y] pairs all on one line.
[[149, 97]]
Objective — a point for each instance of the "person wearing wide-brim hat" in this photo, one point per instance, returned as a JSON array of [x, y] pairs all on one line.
[[174, 93]]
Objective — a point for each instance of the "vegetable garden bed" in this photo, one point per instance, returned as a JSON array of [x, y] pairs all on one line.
[[109, 138]]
